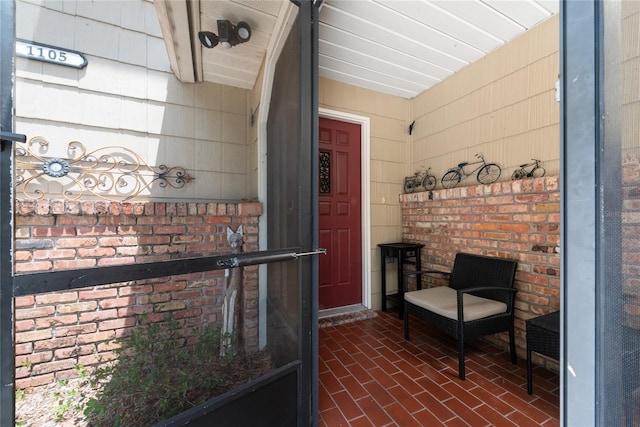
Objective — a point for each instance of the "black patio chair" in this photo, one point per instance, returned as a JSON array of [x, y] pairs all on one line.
[[480, 292]]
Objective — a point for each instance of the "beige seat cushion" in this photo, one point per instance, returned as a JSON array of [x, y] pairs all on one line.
[[442, 300]]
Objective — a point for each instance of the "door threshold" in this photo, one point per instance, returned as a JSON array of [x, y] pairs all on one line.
[[337, 311], [340, 315]]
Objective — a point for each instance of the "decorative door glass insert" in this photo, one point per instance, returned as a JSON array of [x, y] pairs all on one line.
[[325, 172]]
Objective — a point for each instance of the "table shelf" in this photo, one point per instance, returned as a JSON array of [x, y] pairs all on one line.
[[543, 337], [405, 254]]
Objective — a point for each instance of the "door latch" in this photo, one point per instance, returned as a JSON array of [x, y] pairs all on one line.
[[264, 257]]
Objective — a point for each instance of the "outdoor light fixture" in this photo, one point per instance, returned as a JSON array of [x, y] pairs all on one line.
[[228, 36], [208, 39], [243, 31]]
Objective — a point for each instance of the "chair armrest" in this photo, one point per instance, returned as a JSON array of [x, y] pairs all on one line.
[[407, 273], [461, 292], [419, 273], [487, 288]]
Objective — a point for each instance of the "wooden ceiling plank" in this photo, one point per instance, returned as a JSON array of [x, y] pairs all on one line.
[[400, 34], [368, 47], [552, 6], [372, 75], [371, 85], [525, 13], [419, 55], [270, 7], [211, 11], [239, 63], [428, 14], [227, 80], [376, 63], [482, 16]]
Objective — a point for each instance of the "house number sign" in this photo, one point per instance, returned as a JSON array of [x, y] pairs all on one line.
[[52, 54]]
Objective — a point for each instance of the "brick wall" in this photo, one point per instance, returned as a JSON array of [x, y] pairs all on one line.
[[631, 240], [630, 144], [514, 219], [56, 331]]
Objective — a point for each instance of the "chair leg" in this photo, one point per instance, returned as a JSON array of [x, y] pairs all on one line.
[[529, 373], [512, 345], [460, 337], [461, 371], [405, 315]]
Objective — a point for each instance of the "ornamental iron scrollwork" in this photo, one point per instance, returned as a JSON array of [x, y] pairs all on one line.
[[325, 172], [111, 173]]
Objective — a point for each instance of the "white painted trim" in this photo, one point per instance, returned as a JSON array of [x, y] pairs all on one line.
[[174, 25], [288, 12], [365, 136]]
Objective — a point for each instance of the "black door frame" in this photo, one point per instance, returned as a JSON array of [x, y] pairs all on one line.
[[579, 127], [591, 362], [302, 373], [309, 109], [7, 359]]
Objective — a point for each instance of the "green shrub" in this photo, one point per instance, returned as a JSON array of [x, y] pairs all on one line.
[[156, 376]]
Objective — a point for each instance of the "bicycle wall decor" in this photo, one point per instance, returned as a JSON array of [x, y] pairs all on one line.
[[529, 170], [487, 172], [424, 179]]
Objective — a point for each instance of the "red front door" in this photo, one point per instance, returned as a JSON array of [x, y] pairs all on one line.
[[340, 214]]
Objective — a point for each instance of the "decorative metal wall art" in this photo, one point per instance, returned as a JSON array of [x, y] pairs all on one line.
[[111, 173]]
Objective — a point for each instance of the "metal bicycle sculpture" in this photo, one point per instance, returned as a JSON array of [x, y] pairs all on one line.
[[535, 171], [487, 173], [424, 179]]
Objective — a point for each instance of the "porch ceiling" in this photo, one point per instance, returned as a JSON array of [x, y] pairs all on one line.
[[398, 47]]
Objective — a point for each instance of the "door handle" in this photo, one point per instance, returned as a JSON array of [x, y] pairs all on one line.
[[265, 257], [316, 251]]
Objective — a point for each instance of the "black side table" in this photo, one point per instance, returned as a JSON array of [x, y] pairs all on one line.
[[404, 253], [543, 336]]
